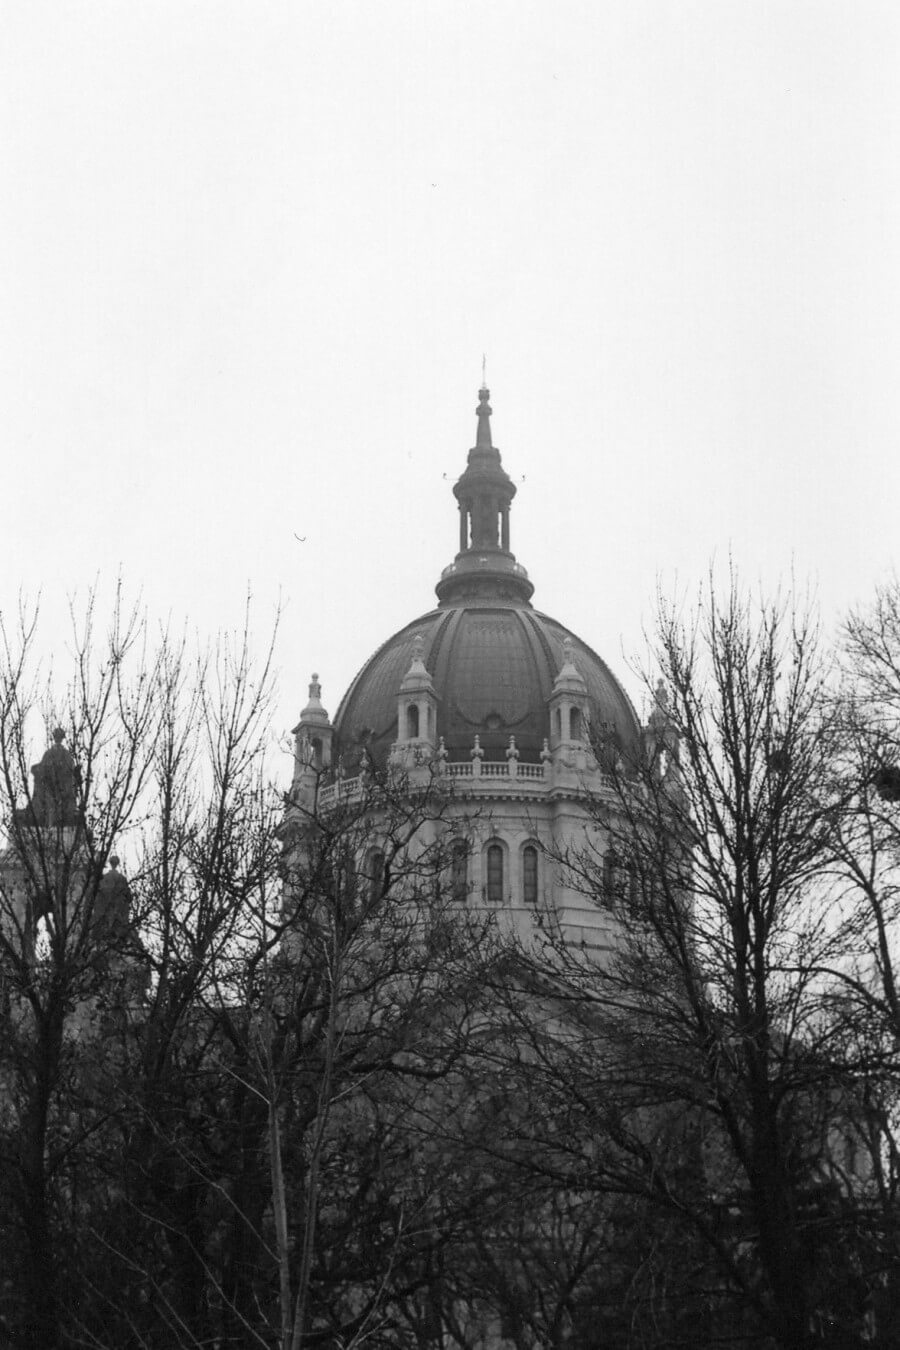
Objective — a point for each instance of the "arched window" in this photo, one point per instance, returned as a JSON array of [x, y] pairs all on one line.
[[459, 871], [610, 875], [43, 939], [316, 752], [575, 724], [559, 723], [412, 722], [620, 881], [529, 874], [345, 877], [375, 878], [495, 874]]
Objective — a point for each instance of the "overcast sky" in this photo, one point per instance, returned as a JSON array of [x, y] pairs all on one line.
[[251, 255]]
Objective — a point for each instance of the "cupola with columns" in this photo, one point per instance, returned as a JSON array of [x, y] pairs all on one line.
[[485, 564]]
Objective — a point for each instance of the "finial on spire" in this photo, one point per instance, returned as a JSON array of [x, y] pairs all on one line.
[[313, 712], [483, 370], [417, 677], [483, 438]]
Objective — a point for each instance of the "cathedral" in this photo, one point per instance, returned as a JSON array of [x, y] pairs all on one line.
[[276, 1076], [518, 716]]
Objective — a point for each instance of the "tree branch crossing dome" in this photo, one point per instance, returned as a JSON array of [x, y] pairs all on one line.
[[493, 660]]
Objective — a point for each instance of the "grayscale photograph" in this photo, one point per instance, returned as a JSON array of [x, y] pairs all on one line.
[[450, 675]]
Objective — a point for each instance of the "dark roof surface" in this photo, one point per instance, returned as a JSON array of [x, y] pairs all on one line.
[[493, 668], [492, 658]]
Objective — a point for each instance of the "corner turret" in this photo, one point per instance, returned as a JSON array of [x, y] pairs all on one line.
[[312, 736], [660, 737]]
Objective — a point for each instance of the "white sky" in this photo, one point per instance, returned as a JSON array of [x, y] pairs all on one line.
[[251, 254]]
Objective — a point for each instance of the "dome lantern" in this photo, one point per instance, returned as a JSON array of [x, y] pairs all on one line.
[[484, 565]]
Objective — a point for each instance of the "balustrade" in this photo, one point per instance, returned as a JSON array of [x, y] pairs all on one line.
[[513, 771]]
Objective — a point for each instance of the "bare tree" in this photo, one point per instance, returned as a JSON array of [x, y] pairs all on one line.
[[161, 759], [87, 793], [213, 1073], [368, 1005], [701, 1065], [865, 844], [280, 1089]]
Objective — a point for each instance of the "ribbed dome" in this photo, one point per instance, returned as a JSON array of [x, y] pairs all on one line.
[[492, 658], [493, 668]]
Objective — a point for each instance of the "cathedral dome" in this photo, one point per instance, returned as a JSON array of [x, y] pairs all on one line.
[[493, 668], [492, 658]]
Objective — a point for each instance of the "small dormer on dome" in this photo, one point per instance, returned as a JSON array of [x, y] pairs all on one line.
[[312, 735], [569, 704], [417, 702]]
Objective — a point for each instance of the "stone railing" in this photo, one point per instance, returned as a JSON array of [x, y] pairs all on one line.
[[471, 775], [341, 790], [495, 769]]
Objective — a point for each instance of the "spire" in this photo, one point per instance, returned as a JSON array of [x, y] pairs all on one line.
[[485, 566]]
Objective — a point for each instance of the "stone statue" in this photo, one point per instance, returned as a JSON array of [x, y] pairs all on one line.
[[54, 800]]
